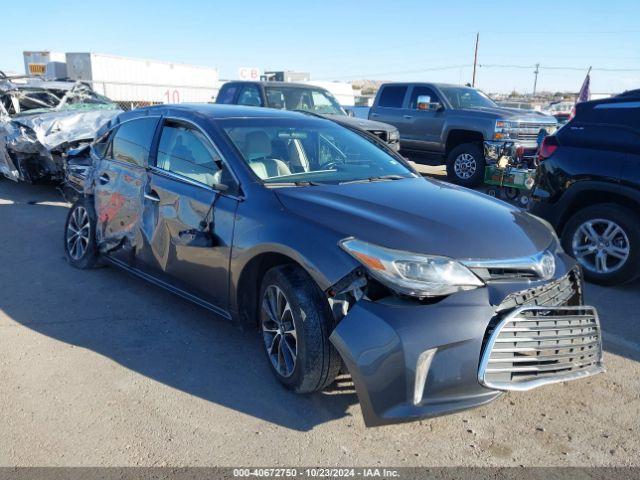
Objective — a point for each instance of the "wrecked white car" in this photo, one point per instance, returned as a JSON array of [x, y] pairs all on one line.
[[41, 120]]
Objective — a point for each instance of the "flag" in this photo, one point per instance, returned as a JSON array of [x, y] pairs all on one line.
[[584, 94]]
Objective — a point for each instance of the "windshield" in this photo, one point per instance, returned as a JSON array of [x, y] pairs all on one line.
[[310, 151], [308, 99], [465, 97]]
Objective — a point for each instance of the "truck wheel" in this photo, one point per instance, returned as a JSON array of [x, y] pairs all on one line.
[[605, 240], [465, 165], [295, 324], [80, 247]]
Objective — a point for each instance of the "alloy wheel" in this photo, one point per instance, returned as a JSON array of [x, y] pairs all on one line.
[[279, 331], [600, 246], [77, 235], [465, 166]]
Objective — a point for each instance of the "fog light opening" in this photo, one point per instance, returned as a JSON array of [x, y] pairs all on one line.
[[422, 371]]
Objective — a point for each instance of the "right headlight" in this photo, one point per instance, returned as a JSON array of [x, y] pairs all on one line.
[[413, 274], [505, 130]]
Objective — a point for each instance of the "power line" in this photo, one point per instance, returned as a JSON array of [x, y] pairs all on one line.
[[422, 70], [557, 67]]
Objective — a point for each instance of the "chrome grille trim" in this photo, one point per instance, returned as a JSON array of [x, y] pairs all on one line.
[[564, 344]]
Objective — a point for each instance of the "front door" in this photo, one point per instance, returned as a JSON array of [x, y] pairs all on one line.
[[188, 221], [424, 130]]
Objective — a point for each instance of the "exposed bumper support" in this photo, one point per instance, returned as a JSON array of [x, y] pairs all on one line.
[[410, 360]]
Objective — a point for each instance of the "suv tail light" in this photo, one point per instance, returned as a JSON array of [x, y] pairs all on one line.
[[549, 146]]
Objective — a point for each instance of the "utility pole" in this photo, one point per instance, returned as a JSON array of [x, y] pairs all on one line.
[[535, 79], [475, 60]]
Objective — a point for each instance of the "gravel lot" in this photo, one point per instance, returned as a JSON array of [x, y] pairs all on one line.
[[100, 368]]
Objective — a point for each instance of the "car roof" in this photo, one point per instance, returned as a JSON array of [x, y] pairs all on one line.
[[270, 83], [218, 111], [408, 84]]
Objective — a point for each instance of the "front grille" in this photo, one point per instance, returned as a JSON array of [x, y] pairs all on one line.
[[533, 346], [528, 132]]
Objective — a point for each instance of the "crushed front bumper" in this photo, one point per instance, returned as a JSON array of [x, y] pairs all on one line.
[[410, 360]]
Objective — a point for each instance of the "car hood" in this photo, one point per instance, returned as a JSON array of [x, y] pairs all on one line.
[[512, 114], [421, 216], [361, 123]]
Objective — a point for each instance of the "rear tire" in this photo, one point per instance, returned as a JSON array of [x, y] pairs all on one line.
[[80, 247], [604, 237], [465, 165], [296, 333]]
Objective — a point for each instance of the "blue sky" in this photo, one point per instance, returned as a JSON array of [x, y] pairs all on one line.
[[345, 40]]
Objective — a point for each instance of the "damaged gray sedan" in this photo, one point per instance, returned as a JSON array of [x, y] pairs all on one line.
[[40, 121], [338, 254]]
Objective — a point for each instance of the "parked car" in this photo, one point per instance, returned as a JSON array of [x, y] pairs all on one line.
[[300, 229], [460, 125], [588, 188], [304, 97], [41, 120]]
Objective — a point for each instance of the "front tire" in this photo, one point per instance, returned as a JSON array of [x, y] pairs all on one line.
[[465, 165], [295, 323], [605, 240], [80, 247]]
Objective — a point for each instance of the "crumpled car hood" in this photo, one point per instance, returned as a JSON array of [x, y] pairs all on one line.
[[422, 216], [57, 127]]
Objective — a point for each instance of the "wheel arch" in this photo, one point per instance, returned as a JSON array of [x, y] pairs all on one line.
[[587, 194], [457, 136], [245, 289]]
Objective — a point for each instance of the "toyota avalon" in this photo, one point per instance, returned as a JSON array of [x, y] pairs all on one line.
[[338, 254]]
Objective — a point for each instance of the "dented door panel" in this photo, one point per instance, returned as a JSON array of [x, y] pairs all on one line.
[[174, 245], [118, 191]]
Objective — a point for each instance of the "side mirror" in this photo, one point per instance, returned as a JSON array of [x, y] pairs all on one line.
[[423, 103]]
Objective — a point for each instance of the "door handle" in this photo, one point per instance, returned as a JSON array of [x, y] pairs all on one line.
[[153, 196], [103, 179], [408, 117]]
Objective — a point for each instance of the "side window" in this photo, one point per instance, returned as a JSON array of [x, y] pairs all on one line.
[[392, 96], [101, 147], [227, 94], [132, 141], [422, 91], [185, 151], [249, 95], [275, 98]]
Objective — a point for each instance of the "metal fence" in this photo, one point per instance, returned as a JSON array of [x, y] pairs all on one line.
[[134, 95]]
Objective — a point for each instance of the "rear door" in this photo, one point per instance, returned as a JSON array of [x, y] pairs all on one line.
[[390, 108], [188, 221], [120, 177], [424, 128]]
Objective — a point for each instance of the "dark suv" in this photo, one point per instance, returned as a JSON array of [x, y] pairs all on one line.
[[588, 187], [303, 97], [300, 230]]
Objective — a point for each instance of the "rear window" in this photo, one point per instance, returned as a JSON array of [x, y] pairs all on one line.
[[625, 114], [392, 96]]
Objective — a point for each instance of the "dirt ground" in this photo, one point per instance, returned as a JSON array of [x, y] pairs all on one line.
[[98, 368]]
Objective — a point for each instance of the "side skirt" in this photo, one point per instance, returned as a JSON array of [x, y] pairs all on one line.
[[156, 281]]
